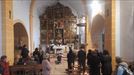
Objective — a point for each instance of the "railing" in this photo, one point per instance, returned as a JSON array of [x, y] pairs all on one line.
[[26, 70]]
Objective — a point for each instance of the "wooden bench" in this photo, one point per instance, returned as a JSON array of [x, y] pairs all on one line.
[[26, 69]]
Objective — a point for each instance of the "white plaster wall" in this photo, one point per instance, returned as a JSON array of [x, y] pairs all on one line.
[[117, 29], [0, 29], [76, 6], [82, 33], [127, 29], [36, 30], [39, 9], [21, 12]]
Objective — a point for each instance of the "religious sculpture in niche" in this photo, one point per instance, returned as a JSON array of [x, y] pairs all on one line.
[[56, 23]]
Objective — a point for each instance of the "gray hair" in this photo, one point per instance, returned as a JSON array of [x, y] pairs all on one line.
[[118, 59]]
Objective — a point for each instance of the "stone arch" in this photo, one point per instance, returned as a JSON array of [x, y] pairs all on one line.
[[98, 31], [20, 38], [20, 34]]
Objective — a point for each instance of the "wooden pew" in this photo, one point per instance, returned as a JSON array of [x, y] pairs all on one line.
[[26, 69]]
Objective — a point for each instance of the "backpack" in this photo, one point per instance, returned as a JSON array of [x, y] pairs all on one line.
[[125, 71]]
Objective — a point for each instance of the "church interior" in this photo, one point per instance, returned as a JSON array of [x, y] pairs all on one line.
[[52, 25]]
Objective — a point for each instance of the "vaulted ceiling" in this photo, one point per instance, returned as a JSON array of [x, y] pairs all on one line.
[[77, 6]]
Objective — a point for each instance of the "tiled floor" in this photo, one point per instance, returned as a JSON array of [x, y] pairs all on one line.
[[59, 69]]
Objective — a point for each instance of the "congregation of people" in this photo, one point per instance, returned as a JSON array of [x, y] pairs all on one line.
[[98, 63], [93, 62], [37, 57]]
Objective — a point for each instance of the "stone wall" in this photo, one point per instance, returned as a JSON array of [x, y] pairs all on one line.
[[21, 12]]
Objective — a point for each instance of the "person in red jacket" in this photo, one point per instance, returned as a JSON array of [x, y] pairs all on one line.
[[5, 65]]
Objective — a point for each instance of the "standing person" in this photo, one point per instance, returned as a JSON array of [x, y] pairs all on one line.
[[46, 67], [118, 61], [82, 58], [89, 57], [47, 49], [36, 55], [59, 56], [131, 66], [100, 54], [70, 58], [122, 67], [106, 63], [24, 52], [4, 65], [51, 47], [94, 64], [41, 54]]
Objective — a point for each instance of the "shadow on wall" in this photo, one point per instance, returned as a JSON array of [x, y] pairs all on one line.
[[97, 31]]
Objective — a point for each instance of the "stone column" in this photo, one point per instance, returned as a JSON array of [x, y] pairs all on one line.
[[113, 32], [31, 25], [7, 30], [88, 40], [110, 28]]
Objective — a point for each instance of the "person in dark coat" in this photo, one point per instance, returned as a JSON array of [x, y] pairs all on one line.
[[89, 57], [70, 58], [94, 64], [24, 52], [36, 55], [106, 63], [41, 54], [47, 49], [100, 54], [82, 58]]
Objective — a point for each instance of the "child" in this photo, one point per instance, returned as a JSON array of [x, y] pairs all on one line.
[[5, 65]]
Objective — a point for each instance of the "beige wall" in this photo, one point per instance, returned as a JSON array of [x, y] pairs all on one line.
[[127, 30]]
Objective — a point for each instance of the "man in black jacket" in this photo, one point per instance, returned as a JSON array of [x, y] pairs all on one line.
[[106, 63], [70, 58], [89, 57], [82, 58], [94, 63], [36, 55], [24, 52]]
